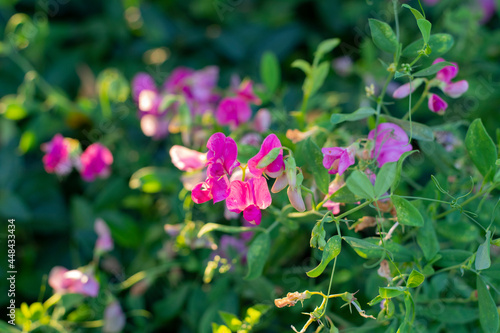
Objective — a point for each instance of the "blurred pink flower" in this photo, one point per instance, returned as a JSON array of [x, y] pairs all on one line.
[[249, 197], [96, 161], [245, 92], [186, 159], [392, 142], [273, 169], [177, 82], [114, 319], [251, 139], [73, 282], [262, 120], [142, 82], [104, 241], [233, 111], [337, 160], [342, 65], [154, 126], [437, 104], [404, 90], [57, 158]]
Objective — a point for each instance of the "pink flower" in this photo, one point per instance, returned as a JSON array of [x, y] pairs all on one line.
[[245, 92], [104, 241], [114, 319], [445, 75], [262, 120], [404, 90], [203, 83], [392, 142], [437, 104], [57, 158], [251, 139], [177, 82], [337, 160], [96, 161], [488, 7], [276, 167], [73, 282], [456, 89], [154, 126], [142, 82], [249, 197], [233, 111], [186, 159], [332, 188]]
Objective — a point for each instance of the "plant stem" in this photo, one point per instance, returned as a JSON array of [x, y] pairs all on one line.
[[419, 102]]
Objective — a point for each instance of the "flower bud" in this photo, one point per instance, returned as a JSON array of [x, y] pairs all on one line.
[[291, 171], [280, 183], [295, 197]]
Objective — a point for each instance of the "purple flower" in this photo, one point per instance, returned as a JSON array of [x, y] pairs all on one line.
[[114, 319], [104, 241], [337, 160], [392, 142], [73, 282], [57, 158], [437, 104], [96, 161], [273, 169], [262, 120], [233, 111]]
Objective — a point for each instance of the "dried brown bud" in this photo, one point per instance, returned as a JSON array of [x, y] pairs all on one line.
[[365, 222], [290, 300]]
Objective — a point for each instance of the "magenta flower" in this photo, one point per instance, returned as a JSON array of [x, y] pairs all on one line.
[[57, 158], [404, 90], [212, 188], [249, 197], [437, 104], [177, 82], [104, 241], [95, 162], [186, 159], [392, 142], [276, 167], [114, 319], [72, 282], [233, 111], [245, 92], [337, 160], [445, 75], [262, 120]]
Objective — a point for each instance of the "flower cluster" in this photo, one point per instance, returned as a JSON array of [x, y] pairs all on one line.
[[62, 154], [160, 108]]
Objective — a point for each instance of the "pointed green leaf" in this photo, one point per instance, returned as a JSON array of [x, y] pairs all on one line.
[[427, 239], [224, 228], [425, 28], [483, 260], [230, 320], [433, 69], [481, 148], [257, 255], [270, 71], [439, 44], [325, 47], [363, 248], [488, 313], [332, 249], [415, 12], [385, 178], [383, 36], [359, 114], [407, 213], [399, 169], [415, 279], [302, 65], [359, 184]]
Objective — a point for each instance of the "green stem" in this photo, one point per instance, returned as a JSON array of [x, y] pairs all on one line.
[[419, 102], [355, 209]]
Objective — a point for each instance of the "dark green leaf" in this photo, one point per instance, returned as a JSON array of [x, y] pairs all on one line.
[[383, 36], [257, 255], [385, 178], [439, 44], [364, 249], [415, 12], [427, 239], [360, 113], [270, 72], [483, 260], [432, 69], [332, 249], [415, 279], [359, 184], [488, 313], [453, 257], [407, 213], [481, 148]]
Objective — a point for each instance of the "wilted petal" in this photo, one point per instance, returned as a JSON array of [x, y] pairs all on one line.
[[295, 197], [456, 89]]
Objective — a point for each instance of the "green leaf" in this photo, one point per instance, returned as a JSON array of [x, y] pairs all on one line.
[[318, 76], [452, 257], [418, 131], [225, 228], [439, 44], [344, 195], [153, 180], [302, 65], [332, 249], [257, 255], [230, 320], [385, 178], [415, 12], [415, 279], [359, 184], [269, 158], [427, 239], [483, 260], [359, 114], [325, 47], [409, 309], [488, 313], [407, 213], [364, 249], [399, 169], [315, 165], [383, 36], [270, 72], [433, 69], [425, 28], [481, 148], [390, 292]]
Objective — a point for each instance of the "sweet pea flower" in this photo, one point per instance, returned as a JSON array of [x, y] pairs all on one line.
[[96, 161], [404, 90], [437, 104], [334, 186], [142, 82], [245, 92], [337, 160], [114, 319], [104, 241], [249, 197], [273, 169], [186, 159], [445, 75], [57, 158], [233, 111], [392, 142], [262, 120], [64, 281]]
